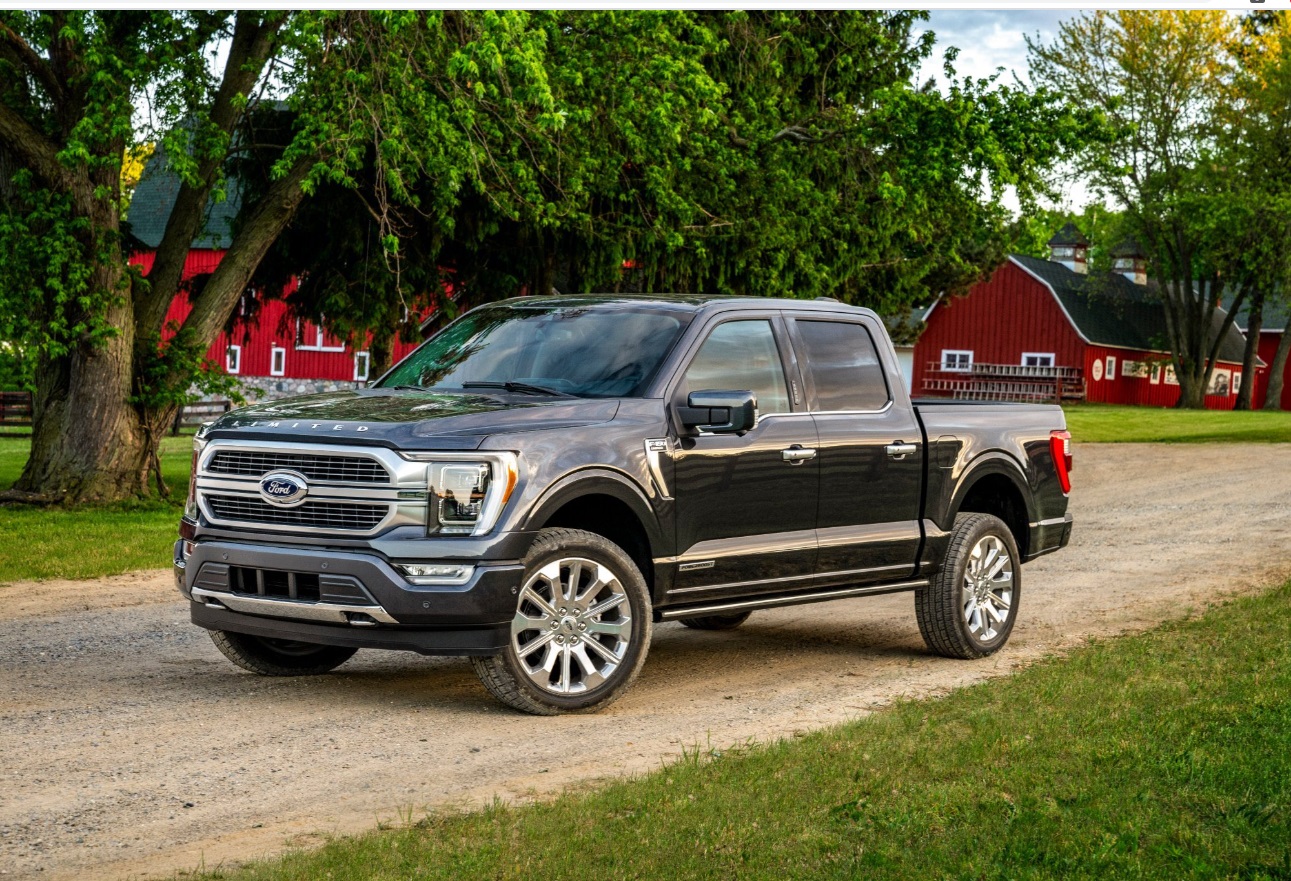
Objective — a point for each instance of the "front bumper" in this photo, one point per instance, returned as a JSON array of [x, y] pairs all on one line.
[[361, 600]]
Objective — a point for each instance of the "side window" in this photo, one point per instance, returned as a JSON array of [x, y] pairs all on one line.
[[740, 355], [844, 365]]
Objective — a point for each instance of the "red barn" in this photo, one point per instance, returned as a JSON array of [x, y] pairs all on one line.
[[276, 351], [1046, 329]]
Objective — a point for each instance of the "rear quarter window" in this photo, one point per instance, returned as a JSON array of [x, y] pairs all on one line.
[[844, 365]]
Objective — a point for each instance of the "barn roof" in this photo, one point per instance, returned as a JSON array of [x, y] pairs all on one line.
[[1068, 235], [154, 199], [1276, 314], [1107, 309]]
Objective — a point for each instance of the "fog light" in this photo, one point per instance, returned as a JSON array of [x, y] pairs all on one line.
[[437, 573]]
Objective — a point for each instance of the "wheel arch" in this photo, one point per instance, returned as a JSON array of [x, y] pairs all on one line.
[[997, 485], [606, 503]]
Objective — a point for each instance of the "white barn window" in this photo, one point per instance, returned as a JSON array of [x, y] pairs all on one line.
[[233, 359], [957, 360], [361, 364], [278, 361], [1037, 359]]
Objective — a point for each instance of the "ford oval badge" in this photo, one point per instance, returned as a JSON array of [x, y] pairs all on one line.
[[286, 489]]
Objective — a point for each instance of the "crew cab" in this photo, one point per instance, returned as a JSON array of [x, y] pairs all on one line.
[[547, 478]]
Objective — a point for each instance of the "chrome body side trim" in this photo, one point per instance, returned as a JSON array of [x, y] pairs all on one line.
[[791, 599], [819, 576]]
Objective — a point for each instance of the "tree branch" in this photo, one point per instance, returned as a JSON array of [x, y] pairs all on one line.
[[253, 41], [266, 221], [37, 66], [36, 152]]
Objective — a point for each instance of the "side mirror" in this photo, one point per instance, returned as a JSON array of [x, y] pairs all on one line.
[[723, 412]]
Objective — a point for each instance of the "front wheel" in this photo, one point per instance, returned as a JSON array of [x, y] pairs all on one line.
[[279, 657], [581, 629], [969, 609]]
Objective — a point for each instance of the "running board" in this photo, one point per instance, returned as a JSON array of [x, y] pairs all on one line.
[[794, 599]]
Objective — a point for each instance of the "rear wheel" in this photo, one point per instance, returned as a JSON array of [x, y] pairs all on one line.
[[279, 657], [581, 629], [969, 609], [717, 622]]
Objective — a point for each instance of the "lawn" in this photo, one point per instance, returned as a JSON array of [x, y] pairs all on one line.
[[1108, 423], [40, 542], [1163, 755]]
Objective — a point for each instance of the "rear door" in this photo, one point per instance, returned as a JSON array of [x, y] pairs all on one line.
[[746, 504], [870, 451]]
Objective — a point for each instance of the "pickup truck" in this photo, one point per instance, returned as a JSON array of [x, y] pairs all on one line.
[[547, 478]]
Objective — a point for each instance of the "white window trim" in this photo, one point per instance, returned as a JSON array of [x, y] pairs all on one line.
[[1111, 367], [273, 356], [1053, 361], [318, 341], [234, 365], [955, 368], [367, 366]]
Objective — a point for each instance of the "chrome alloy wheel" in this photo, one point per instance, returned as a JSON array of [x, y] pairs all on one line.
[[988, 588], [572, 626]]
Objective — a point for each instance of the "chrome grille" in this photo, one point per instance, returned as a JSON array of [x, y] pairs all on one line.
[[344, 516], [324, 469]]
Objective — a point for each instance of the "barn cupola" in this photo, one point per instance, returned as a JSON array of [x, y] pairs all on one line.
[[1070, 248], [1129, 260]]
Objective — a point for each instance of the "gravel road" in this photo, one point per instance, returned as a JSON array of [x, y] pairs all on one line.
[[130, 747]]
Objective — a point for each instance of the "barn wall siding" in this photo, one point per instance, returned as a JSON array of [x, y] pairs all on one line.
[[272, 326], [1001, 318]]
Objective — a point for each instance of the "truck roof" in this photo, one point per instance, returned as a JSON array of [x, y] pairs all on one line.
[[681, 302]]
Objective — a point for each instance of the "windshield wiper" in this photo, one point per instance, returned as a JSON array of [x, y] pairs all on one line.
[[408, 388], [526, 387]]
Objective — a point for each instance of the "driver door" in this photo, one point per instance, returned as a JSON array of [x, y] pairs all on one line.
[[746, 503]]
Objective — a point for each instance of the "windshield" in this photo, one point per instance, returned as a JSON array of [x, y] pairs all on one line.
[[585, 350]]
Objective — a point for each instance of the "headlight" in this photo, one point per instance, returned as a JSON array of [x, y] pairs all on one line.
[[199, 444], [466, 495]]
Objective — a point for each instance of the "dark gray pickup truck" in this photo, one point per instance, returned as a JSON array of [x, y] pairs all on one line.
[[548, 477]]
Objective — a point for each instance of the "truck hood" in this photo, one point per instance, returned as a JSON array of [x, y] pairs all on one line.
[[408, 419]]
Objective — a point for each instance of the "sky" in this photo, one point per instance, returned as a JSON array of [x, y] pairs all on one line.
[[988, 39], [991, 39]]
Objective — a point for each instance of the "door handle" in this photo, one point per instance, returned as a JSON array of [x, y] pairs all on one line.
[[900, 450], [797, 454]]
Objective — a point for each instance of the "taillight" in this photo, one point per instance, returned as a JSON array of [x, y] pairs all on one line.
[[1060, 447]]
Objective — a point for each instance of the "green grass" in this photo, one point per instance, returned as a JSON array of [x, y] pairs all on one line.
[[1109, 423], [53, 542], [1164, 755]]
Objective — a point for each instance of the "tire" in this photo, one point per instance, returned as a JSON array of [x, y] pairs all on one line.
[[959, 613], [279, 657], [717, 622], [564, 656]]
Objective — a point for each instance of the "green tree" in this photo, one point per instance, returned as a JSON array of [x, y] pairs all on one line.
[[745, 153], [1169, 85], [1258, 140], [70, 83]]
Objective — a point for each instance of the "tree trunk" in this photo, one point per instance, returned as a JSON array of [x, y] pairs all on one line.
[[1277, 370], [1246, 394], [87, 443]]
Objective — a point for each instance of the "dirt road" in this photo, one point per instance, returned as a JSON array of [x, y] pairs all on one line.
[[130, 747]]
